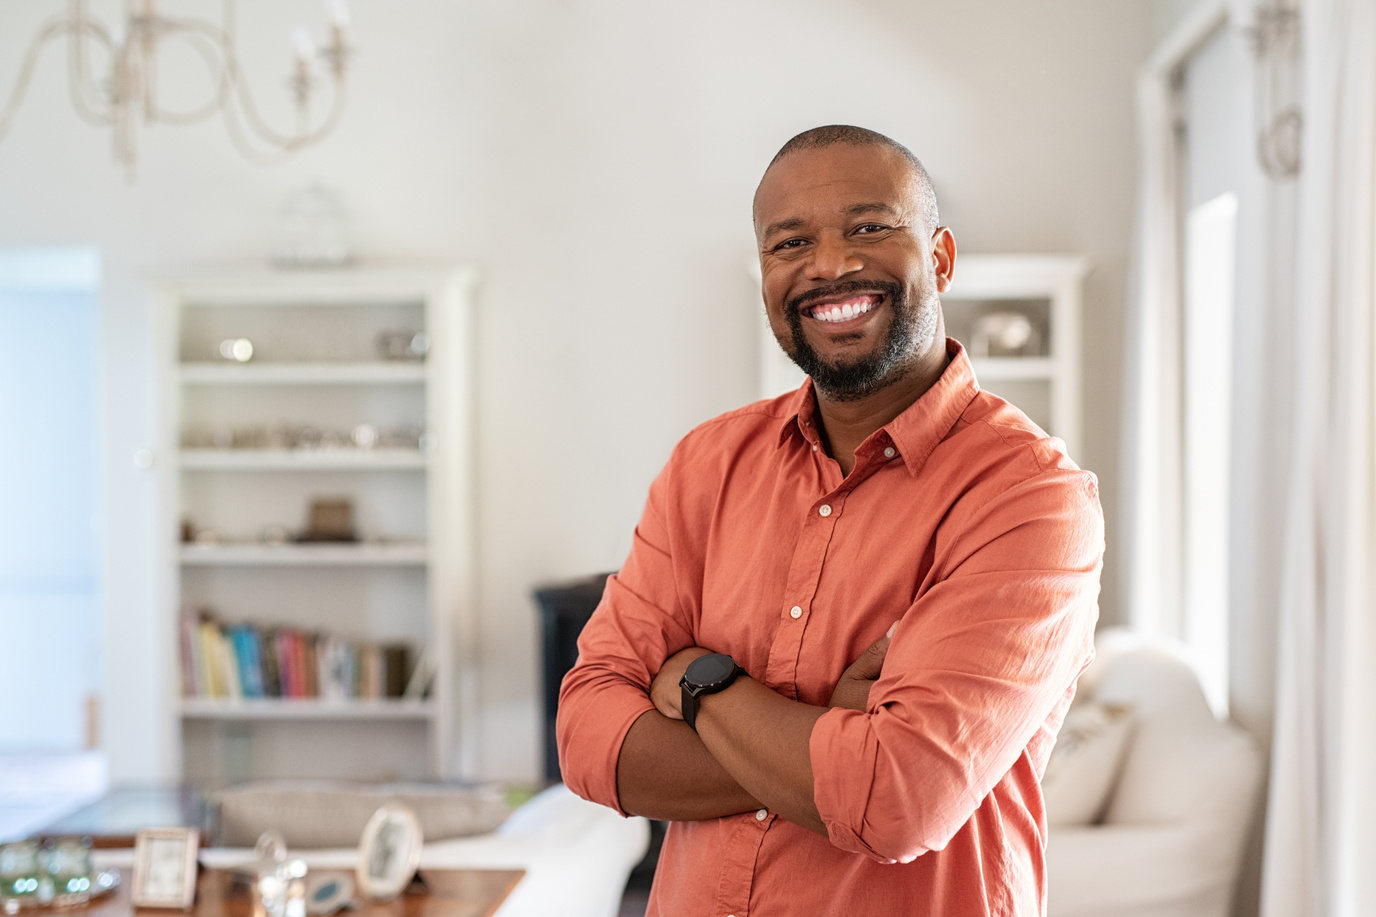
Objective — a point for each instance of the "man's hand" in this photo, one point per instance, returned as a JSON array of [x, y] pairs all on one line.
[[665, 693], [853, 690]]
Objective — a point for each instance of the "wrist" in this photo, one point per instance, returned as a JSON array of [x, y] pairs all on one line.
[[705, 675]]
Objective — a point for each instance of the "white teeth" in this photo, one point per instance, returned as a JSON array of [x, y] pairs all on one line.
[[842, 313]]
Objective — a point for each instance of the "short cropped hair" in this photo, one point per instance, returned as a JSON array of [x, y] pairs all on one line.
[[831, 134]]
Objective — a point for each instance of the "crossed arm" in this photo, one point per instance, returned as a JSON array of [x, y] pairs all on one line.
[[751, 748]]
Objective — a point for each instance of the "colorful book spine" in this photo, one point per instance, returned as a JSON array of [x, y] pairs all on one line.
[[250, 661]]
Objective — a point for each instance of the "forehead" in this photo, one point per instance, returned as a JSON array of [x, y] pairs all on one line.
[[813, 184]]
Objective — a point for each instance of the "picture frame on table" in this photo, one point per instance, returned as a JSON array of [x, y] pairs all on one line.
[[388, 852], [165, 868]]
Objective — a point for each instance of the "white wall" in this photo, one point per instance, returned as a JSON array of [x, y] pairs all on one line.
[[595, 159]]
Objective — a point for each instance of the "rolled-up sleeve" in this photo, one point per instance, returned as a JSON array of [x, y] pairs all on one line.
[[1000, 630], [639, 623]]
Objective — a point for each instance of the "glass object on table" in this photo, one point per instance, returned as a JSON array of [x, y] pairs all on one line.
[[69, 868], [20, 875]]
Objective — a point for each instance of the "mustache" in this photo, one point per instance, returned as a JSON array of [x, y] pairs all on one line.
[[843, 288]]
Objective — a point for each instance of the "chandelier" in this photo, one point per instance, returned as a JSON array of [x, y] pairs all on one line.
[[125, 92]]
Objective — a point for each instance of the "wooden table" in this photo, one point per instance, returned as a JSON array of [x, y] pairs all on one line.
[[446, 893]]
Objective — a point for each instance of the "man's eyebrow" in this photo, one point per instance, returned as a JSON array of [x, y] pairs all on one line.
[[856, 210], [783, 226], [853, 210]]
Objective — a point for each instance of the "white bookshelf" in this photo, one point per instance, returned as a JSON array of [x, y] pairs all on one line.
[[409, 577], [305, 555], [302, 459], [363, 373], [270, 709], [1048, 289]]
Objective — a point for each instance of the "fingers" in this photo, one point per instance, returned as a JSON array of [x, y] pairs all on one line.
[[871, 661]]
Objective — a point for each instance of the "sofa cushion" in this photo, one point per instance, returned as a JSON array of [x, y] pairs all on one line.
[[1085, 762], [316, 814]]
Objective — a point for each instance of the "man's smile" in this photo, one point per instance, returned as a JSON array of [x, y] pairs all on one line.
[[844, 310]]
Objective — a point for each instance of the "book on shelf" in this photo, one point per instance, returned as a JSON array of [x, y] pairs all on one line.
[[243, 660]]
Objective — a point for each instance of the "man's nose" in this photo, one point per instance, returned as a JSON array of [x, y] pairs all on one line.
[[833, 258]]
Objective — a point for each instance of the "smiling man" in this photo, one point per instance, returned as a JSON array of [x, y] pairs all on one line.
[[852, 617]]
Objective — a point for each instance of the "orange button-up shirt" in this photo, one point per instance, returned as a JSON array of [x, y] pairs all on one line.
[[961, 521]]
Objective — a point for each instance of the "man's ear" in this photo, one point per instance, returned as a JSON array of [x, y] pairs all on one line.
[[943, 258]]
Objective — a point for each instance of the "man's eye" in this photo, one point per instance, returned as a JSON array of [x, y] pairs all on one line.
[[789, 243], [871, 227]]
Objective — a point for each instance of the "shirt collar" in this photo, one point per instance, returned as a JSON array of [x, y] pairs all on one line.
[[915, 432]]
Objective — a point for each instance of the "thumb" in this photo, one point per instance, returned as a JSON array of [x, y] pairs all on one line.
[[871, 661]]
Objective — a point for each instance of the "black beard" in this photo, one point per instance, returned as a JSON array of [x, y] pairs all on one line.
[[868, 374]]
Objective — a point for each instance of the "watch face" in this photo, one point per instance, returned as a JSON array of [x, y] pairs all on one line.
[[706, 671]]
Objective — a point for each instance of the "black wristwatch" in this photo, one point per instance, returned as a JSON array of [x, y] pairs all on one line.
[[705, 675]]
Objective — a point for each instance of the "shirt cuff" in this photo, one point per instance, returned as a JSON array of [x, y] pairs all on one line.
[[841, 786], [591, 739]]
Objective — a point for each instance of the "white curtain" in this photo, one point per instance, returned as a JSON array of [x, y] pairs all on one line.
[[1152, 535], [1321, 826]]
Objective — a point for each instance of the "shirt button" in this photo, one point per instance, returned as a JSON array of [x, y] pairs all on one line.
[[890, 452], [795, 612], [761, 815], [824, 509], [814, 447]]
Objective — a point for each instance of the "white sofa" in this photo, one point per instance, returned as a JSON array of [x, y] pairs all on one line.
[[1170, 841]]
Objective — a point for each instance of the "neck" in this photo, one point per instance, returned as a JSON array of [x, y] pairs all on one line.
[[845, 424]]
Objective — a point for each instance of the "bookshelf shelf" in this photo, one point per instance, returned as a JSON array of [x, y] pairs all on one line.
[[336, 632], [302, 374], [277, 708], [305, 555], [989, 369], [303, 459]]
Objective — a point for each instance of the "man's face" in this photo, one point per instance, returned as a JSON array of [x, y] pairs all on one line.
[[850, 271]]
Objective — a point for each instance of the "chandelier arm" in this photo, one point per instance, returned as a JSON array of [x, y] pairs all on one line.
[[239, 89], [54, 28], [86, 97], [240, 140], [238, 92], [249, 108], [205, 40]]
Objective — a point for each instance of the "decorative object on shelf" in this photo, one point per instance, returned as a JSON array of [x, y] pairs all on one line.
[[275, 535], [389, 852], [330, 519], [128, 91], [1004, 334], [238, 350], [403, 345], [307, 437], [165, 868], [365, 436], [314, 230]]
